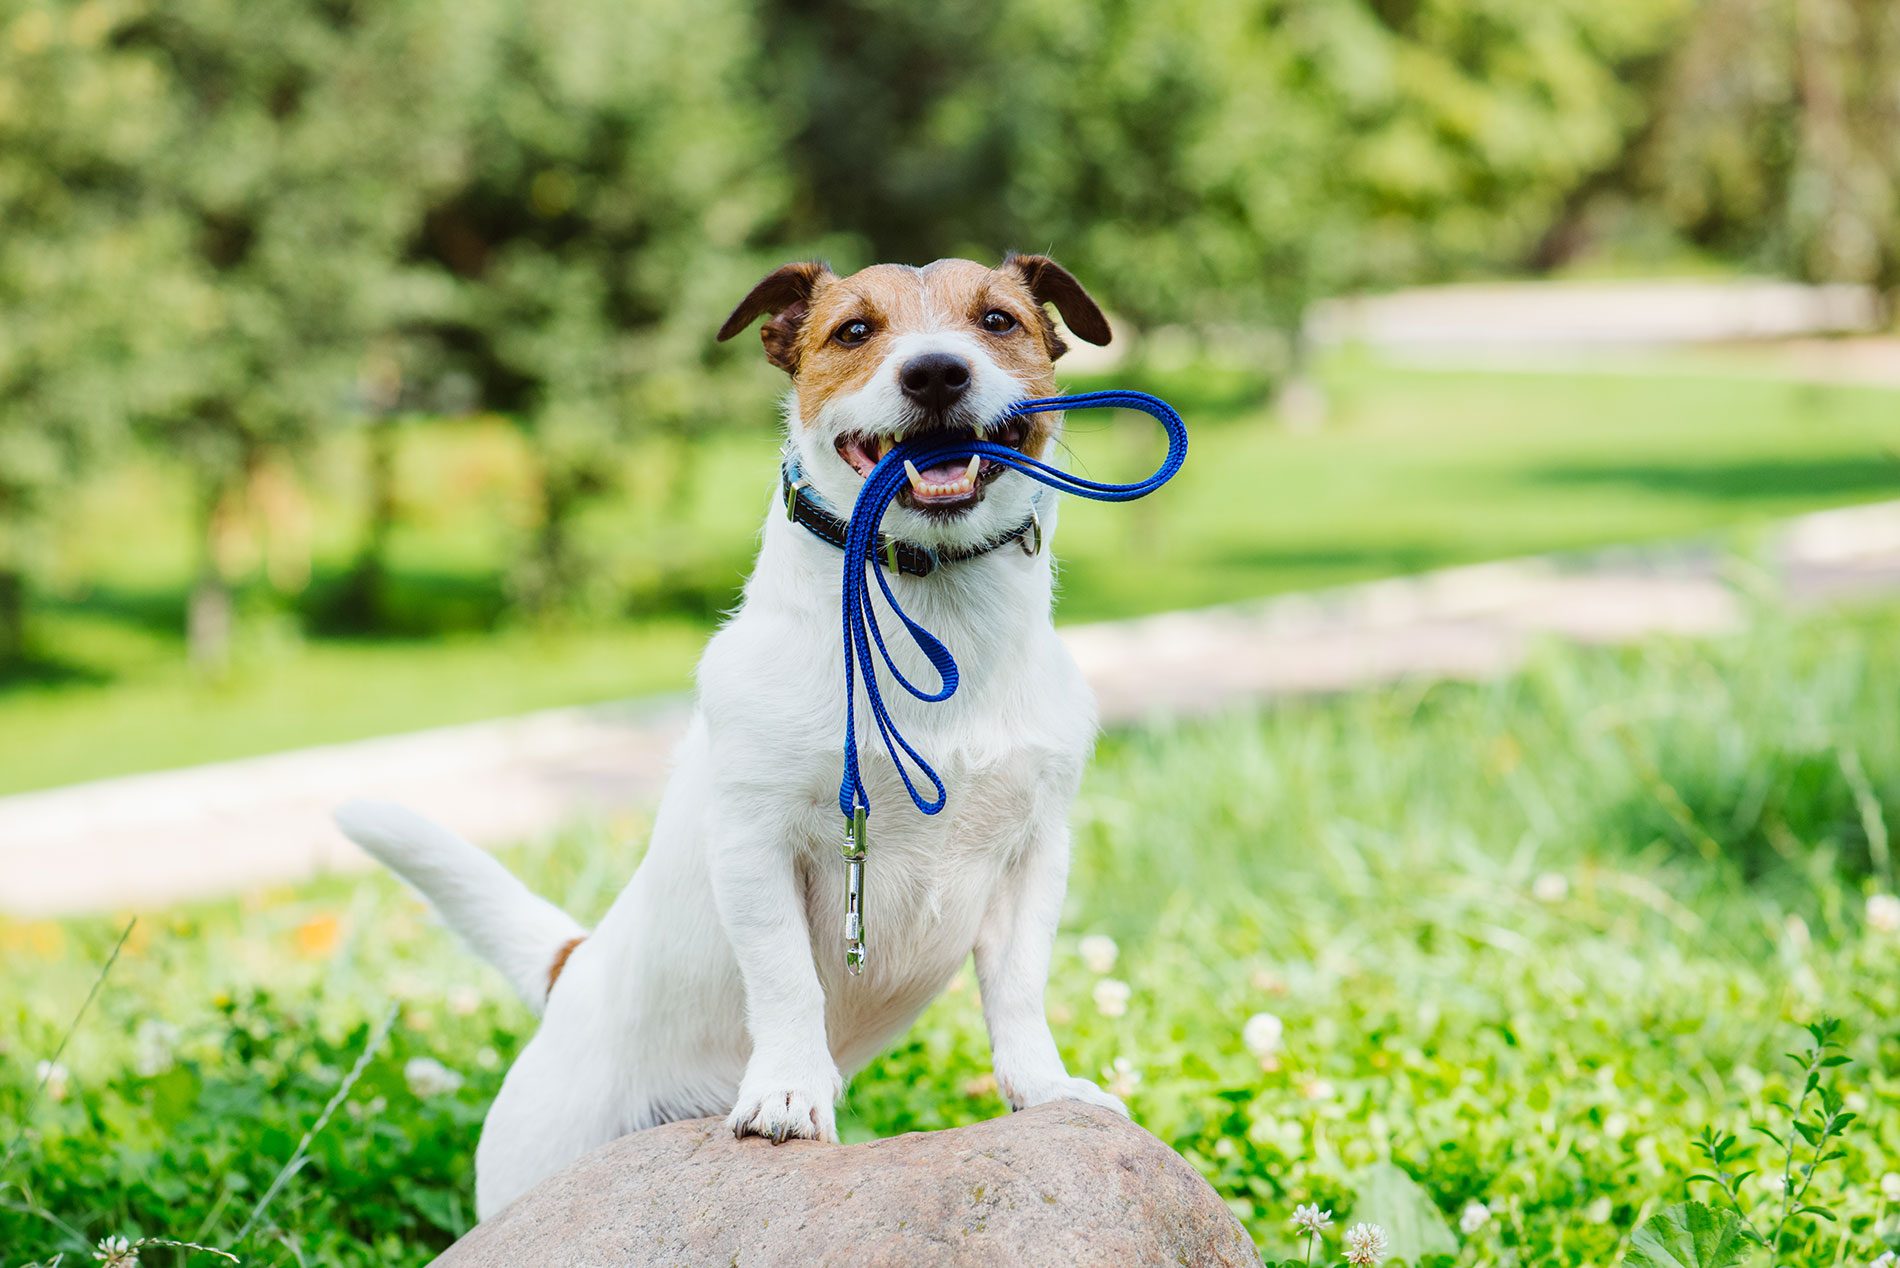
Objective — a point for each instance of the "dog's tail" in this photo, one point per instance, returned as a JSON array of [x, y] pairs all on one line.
[[524, 935]]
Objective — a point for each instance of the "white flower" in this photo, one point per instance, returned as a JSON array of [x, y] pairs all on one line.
[[1886, 1260], [464, 1000], [116, 1252], [1262, 1034], [1309, 1219], [1551, 887], [1122, 1078], [1111, 996], [1365, 1245], [153, 1047], [1890, 1186], [428, 1077], [55, 1078], [1883, 912], [1099, 952], [1474, 1217]]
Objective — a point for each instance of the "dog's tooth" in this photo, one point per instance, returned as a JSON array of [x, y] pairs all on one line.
[[898, 436], [976, 465], [916, 477]]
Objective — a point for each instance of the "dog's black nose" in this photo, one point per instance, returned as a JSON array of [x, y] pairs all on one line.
[[934, 380]]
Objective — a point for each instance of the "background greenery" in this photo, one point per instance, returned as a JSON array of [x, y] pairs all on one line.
[[1526, 939], [243, 237], [1414, 470]]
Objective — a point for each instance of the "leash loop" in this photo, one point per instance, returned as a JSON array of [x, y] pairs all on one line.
[[861, 631]]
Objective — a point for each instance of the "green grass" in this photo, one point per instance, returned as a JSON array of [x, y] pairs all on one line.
[[1526, 939], [1415, 470]]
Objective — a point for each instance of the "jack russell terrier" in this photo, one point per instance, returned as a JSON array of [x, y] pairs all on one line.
[[715, 983]]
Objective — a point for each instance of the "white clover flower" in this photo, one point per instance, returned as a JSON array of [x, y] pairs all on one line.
[[1550, 887], [1890, 1186], [55, 1078], [1099, 953], [1883, 912], [116, 1252], [1365, 1245], [464, 1000], [154, 1048], [1309, 1219], [1262, 1034], [1474, 1217], [428, 1077], [1111, 996], [1122, 1078]]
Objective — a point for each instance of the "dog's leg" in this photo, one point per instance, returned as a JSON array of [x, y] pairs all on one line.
[[1012, 964], [791, 1083]]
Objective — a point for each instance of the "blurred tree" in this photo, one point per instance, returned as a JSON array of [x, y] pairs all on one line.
[[1778, 136], [1211, 162], [297, 146], [74, 129], [618, 170]]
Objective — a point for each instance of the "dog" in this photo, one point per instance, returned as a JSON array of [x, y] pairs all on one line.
[[717, 984]]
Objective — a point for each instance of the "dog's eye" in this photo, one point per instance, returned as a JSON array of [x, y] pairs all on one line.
[[855, 331], [998, 322]]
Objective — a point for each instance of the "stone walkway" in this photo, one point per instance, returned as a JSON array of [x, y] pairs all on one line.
[[148, 840]]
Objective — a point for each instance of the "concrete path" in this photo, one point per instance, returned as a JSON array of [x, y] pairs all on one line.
[[148, 840]]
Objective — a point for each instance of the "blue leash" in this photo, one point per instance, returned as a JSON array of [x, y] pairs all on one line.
[[861, 562]]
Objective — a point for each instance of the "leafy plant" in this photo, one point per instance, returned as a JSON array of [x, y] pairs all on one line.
[[1815, 1120], [1690, 1235]]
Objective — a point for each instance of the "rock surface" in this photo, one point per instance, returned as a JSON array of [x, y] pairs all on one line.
[[1063, 1184]]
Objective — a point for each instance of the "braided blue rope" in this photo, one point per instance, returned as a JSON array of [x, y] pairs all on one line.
[[862, 562]]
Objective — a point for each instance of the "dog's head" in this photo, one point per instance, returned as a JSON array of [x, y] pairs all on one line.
[[894, 352]]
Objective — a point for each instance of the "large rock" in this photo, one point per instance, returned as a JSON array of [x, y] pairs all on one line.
[[1064, 1184]]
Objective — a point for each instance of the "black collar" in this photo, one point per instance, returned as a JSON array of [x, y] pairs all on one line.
[[803, 507]]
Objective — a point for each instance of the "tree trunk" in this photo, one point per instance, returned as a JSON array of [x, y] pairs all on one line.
[[546, 578], [208, 613], [12, 617], [364, 605], [1300, 400]]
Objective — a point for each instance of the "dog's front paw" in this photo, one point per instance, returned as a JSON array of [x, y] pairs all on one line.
[[1022, 1093], [784, 1108]]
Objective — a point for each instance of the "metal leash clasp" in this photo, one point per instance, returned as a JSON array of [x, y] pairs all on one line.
[[854, 891]]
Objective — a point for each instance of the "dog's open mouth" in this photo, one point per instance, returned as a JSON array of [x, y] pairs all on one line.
[[949, 487]]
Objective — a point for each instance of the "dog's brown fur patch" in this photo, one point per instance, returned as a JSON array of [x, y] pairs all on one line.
[[809, 305], [560, 960]]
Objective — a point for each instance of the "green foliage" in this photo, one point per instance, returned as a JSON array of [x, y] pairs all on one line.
[[192, 1140], [1210, 162], [1805, 1138], [1773, 137], [1385, 1195], [1689, 1235], [613, 181]]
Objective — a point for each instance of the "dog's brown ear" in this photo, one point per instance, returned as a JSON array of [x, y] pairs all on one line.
[[785, 293], [1050, 283]]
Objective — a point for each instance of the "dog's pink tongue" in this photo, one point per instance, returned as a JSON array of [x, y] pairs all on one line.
[[946, 472]]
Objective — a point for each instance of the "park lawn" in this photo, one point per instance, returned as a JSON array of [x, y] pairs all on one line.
[[1525, 940], [1415, 469]]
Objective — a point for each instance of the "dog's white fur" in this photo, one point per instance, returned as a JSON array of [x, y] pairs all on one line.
[[716, 983]]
